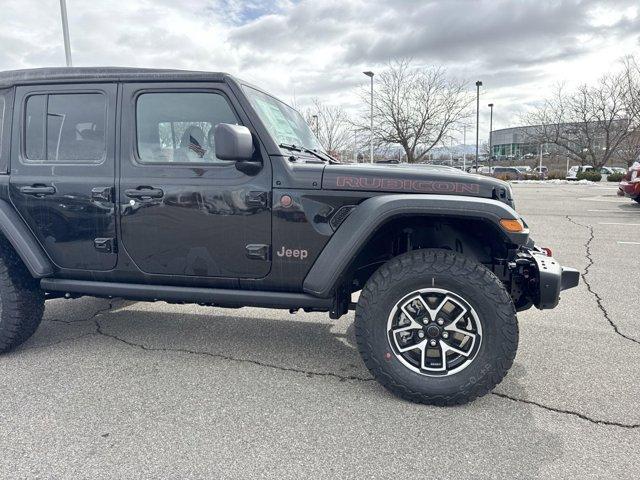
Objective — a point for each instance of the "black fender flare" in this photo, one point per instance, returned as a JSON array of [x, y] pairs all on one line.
[[328, 269], [24, 242]]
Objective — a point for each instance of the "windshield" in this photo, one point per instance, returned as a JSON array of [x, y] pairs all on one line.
[[284, 123]]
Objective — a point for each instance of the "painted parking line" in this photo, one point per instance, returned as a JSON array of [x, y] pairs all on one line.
[[620, 223], [604, 199], [614, 211], [628, 243]]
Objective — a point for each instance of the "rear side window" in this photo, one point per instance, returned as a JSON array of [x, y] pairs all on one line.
[[65, 128], [2, 109], [178, 127]]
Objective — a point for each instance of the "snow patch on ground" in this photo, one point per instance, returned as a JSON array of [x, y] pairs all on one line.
[[558, 182]]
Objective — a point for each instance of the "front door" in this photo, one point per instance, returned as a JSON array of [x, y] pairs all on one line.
[[62, 171], [183, 211]]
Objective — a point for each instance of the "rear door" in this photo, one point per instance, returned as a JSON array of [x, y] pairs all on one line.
[[62, 171]]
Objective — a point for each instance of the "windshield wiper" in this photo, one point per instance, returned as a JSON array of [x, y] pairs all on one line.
[[321, 155]]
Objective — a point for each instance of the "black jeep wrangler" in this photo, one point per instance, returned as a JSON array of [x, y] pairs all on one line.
[[197, 187]]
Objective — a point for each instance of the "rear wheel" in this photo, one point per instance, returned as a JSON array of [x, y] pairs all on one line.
[[436, 327], [21, 300]]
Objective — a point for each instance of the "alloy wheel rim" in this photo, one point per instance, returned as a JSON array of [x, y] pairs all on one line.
[[434, 332]]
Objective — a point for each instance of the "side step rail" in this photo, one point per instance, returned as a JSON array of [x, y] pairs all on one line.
[[211, 296]]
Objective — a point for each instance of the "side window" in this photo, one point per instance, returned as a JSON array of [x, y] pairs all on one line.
[[65, 128], [2, 104], [179, 127]]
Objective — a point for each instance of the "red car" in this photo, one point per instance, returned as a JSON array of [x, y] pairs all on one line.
[[630, 184]]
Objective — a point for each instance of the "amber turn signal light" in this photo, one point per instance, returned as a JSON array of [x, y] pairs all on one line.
[[513, 226]]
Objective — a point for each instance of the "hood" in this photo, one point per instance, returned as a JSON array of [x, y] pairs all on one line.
[[405, 178]]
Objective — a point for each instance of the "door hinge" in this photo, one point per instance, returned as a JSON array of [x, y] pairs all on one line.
[[258, 251], [105, 245], [102, 194], [257, 199]]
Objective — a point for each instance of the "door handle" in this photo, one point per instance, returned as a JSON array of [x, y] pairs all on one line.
[[38, 190], [144, 193]]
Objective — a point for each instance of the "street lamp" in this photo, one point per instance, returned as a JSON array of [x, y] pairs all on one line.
[[65, 32], [370, 75], [316, 125], [490, 135], [464, 147], [478, 85]]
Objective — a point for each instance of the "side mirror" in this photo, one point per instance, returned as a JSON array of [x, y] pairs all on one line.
[[233, 142]]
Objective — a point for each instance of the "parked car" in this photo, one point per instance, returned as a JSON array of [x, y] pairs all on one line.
[[612, 170], [576, 169], [523, 168], [541, 171], [196, 187], [472, 169], [510, 173], [630, 185]]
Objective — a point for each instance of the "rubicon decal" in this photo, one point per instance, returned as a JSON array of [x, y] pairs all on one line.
[[296, 253], [407, 185]]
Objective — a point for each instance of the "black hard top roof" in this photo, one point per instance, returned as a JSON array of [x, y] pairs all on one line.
[[103, 74]]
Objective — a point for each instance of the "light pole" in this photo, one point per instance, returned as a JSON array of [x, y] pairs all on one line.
[[355, 146], [464, 147], [370, 75], [478, 85], [65, 32], [490, 130], [316, 125]]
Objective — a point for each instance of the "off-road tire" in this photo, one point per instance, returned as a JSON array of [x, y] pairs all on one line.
[[473, 282], [21, 300]]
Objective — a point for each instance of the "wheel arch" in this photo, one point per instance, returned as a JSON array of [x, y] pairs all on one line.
[[22, 241], [438, 220]]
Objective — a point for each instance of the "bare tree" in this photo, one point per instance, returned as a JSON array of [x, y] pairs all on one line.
[[331, 125], [631, 79], [415, 107], [630, 149], [591, 123]]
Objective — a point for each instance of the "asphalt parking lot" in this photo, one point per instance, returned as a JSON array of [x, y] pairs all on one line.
[[142, 390]]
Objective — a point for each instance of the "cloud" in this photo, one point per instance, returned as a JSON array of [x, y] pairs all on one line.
[[320, 48]]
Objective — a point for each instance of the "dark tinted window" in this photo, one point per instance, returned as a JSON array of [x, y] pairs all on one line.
[[1, 122], [34, 127], [74, 129], [179, 127]]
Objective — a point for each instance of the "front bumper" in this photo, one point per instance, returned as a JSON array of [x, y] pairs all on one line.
[[552, 279], [538, 279]]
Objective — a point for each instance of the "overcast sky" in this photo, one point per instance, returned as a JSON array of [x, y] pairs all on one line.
[[319, 48]]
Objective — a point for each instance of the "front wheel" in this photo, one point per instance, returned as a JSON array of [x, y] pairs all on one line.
[[435, 327]]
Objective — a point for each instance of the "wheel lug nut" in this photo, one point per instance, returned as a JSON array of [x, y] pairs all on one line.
[[445, 334], [440, 321], [432, 343], [425, 321], [420, 334]]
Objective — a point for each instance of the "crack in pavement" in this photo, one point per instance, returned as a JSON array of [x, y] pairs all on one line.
[[309, 373], [582, 416], [98, 312], [599, 300]]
